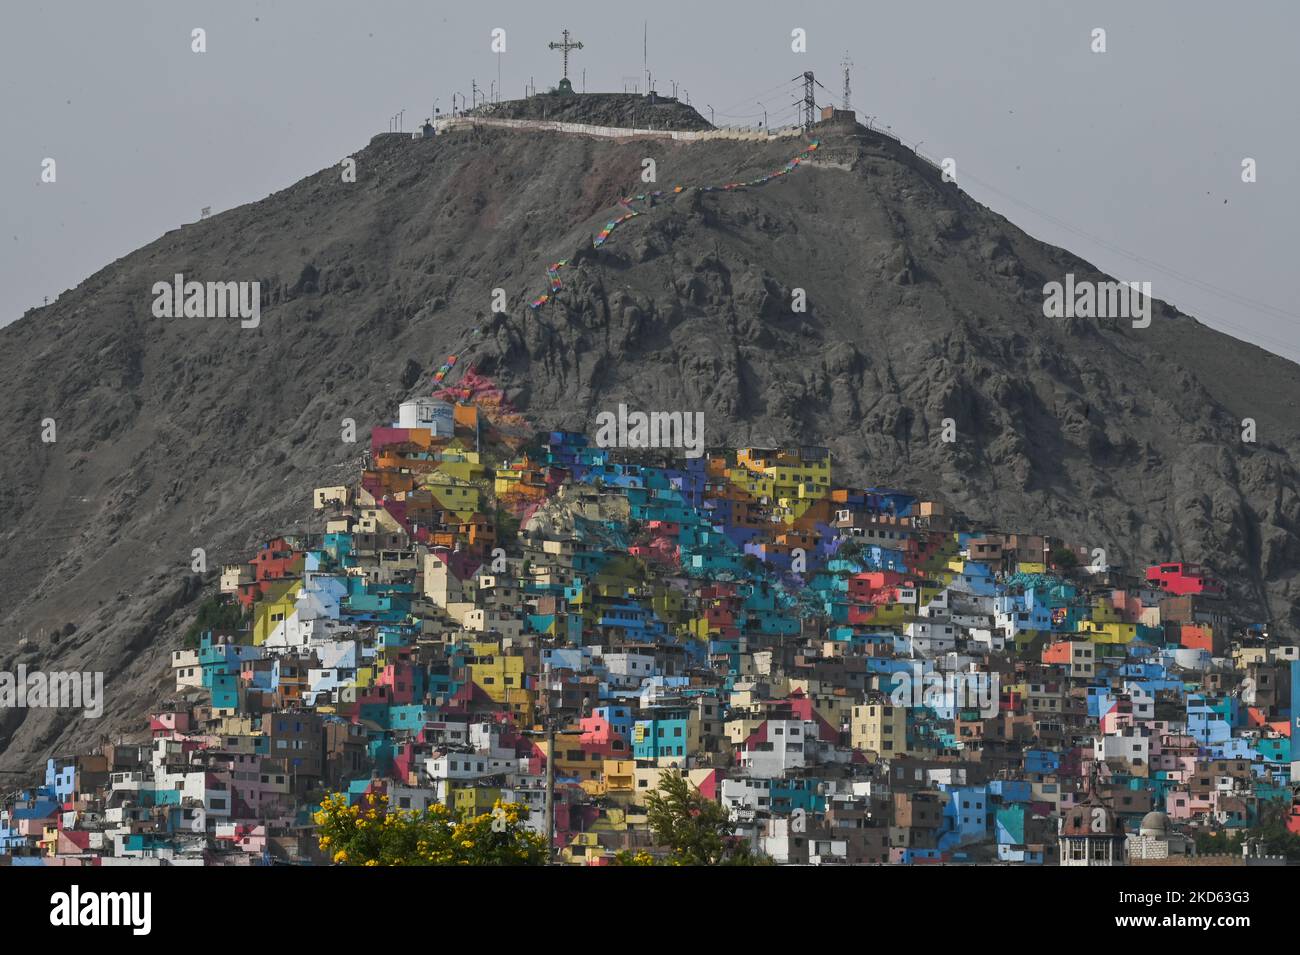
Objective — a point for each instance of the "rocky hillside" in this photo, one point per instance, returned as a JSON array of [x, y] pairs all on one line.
[[183, 433]]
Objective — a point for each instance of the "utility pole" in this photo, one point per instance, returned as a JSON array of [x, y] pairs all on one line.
[[550, 788]]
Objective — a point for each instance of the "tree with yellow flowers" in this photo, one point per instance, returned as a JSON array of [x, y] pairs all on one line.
[[370, 833]]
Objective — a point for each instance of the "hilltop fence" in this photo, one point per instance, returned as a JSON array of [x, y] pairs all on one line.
[[618, 132], [682, 135]]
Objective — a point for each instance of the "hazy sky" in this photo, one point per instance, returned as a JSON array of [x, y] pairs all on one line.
[[1130, 158]]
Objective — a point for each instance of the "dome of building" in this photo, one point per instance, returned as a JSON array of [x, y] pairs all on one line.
[[1155, 824]]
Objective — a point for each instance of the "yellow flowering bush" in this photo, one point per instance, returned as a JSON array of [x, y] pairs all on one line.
[[371, 833], [640, 857]]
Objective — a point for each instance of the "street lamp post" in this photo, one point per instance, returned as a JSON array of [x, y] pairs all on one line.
[[550, 789], [549, 731]]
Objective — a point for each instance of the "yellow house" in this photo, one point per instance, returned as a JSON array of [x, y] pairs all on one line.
[[275, 607], [891, 614], [463, 499], [698, 627], [1104, 611], [474, 800], [583, 849], [609, 819], [619, 777], [462, 466], [497, 675], [927, 590], [880, 728], [49, 841], [811, 479], [667, 603], [522, 702], [1108, 632], [752, 481], [1243, 657], [572, 760]]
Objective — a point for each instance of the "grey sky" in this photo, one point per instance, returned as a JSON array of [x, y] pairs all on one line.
[[1136, 149]]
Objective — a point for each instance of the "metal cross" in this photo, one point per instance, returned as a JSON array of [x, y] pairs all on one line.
[[564, 48]]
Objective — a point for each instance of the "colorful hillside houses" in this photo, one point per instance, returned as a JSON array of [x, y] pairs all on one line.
[[857, 675]]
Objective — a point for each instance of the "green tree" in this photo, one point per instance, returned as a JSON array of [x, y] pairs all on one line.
[[1064, 558], [696, 830], [507, 526], [218, 614], [1271, 831]]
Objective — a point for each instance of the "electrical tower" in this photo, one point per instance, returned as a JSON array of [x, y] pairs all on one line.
[[809, 101], [847, 64]]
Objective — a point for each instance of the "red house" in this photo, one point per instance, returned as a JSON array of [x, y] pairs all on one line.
[[1183, 579]]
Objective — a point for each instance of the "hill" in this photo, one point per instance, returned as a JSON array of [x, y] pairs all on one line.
[[183, 433]]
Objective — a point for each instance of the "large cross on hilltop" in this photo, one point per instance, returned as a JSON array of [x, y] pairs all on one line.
[[564, 48]]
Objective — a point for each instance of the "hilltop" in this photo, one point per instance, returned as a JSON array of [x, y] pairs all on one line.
[[600, 109]]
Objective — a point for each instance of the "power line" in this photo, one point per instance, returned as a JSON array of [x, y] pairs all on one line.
[[769, 93]]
